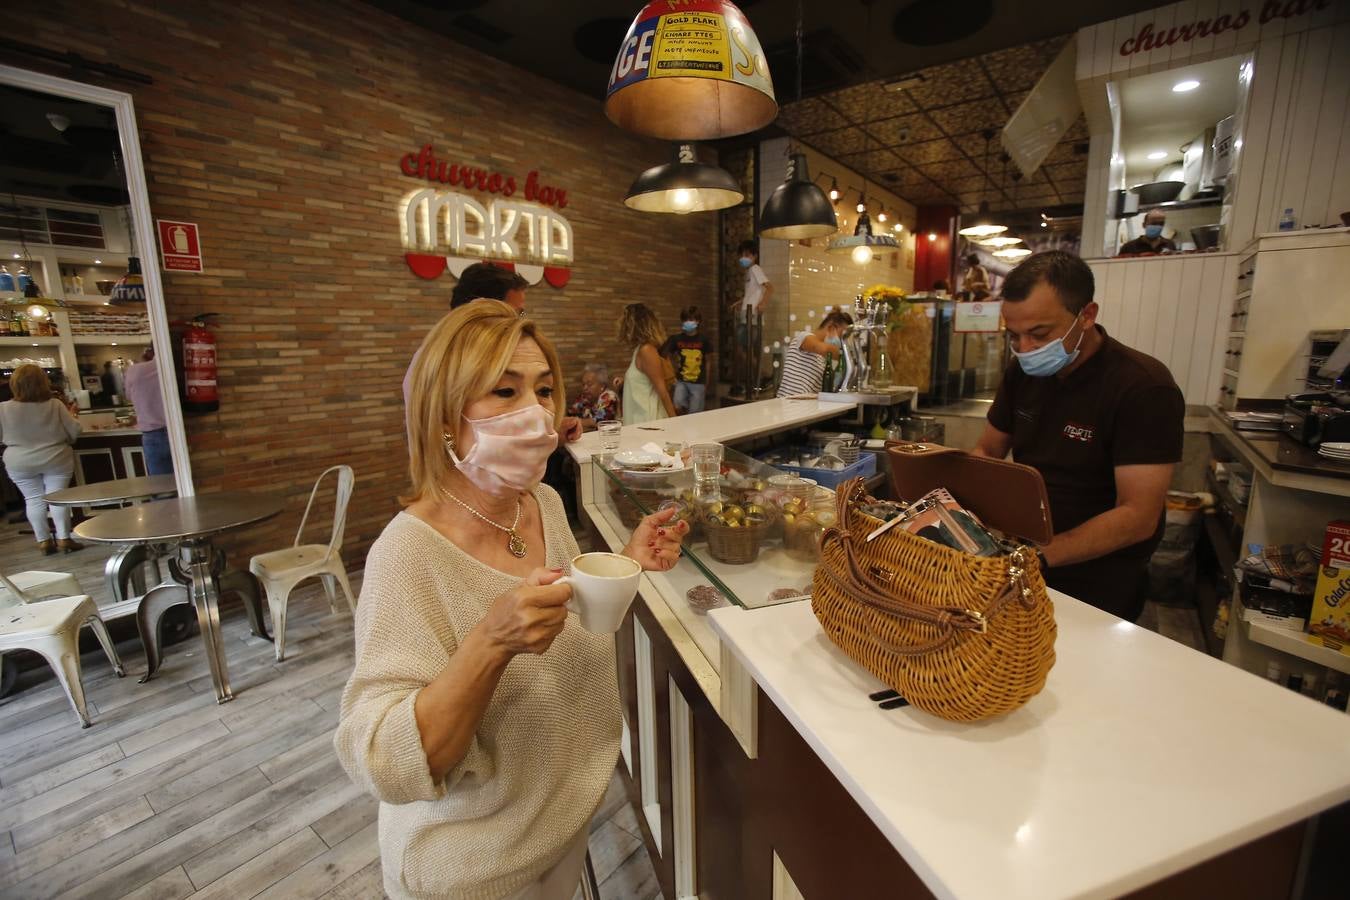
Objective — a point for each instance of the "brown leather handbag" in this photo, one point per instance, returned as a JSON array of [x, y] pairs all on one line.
[[961, 636]]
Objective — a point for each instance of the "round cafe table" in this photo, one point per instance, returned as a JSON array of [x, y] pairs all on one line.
[[123, 571], [189, 523]]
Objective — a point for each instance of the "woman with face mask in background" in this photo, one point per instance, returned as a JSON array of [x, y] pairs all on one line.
[[482, 716], [804, 358]]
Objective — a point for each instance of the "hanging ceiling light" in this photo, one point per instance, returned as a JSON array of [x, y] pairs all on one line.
[[1012, 253], [881, 216], [659, 88], [984, 225], [834, 189], [998, 241], [862, 245], [683, 186], [797, 208]]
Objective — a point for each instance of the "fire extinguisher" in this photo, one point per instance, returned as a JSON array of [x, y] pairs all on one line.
[[199, 366]]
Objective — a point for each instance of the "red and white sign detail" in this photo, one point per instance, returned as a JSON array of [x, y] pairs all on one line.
[[449, 230], [180, 247]]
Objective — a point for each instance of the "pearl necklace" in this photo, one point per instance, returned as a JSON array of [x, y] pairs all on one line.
[[515, 543]]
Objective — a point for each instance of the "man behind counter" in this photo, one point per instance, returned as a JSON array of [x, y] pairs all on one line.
[[1101, 422], [1152, 240]]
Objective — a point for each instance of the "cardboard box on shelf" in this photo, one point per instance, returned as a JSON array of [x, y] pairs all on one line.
[[1330, 620]]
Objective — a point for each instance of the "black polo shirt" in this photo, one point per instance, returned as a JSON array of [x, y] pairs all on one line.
[[1119, 408]]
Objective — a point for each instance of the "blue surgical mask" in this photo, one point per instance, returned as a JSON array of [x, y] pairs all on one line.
[[745, 262], [834, 341], [689, 327], [1153, 230], [1046, 360]]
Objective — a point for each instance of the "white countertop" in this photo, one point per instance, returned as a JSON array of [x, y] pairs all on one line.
[[1141, 758], [730, 423]]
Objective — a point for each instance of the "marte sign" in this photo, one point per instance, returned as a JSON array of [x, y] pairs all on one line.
[[519, 228]]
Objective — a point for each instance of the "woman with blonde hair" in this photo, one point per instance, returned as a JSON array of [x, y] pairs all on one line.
[[646, 396], [482, 716], [38, 433]]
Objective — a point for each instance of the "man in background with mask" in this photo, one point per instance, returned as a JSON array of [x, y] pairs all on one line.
[[1152, 240], [1101, 422], [758, 292]]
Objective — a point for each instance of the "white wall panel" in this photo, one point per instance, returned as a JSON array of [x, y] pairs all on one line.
[[1175, 309]]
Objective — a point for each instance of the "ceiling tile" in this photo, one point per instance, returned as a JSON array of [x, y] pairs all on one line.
[[1016, 68], [1064, 152], [967, 118], [950, 170], [1061, 171], [869, 102], [948, 84], [872, 162], [809, 117], [929, 152], [903, 130], [838, 143]]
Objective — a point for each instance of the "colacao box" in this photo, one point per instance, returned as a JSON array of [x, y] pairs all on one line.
[[1330, 620]]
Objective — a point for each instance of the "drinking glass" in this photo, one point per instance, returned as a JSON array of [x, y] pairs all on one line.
[[707, 460], [609, 435]]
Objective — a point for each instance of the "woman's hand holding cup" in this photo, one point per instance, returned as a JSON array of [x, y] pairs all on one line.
[[656, 542], [528, 617]]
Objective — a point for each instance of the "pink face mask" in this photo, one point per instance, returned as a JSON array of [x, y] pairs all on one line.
[[508, 453]]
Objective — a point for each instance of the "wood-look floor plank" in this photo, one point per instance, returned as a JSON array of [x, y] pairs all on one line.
[[347, 820], [182, 767], [82, 868], [634, 879], [59, 774], [610, 847], [265, 869], [365, 884], [52, 851], [172, 885], [134, 870], [240, 757], [6, 847], [101, 780], [299, 756], [246, 843], [326, 871]]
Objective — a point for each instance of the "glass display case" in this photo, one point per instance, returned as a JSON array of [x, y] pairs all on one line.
[[754, 537]]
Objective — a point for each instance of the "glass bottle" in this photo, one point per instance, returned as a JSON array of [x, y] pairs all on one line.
[[827, 381], [883, 372]]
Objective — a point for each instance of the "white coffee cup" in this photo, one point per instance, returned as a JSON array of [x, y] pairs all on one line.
[[603, 586]]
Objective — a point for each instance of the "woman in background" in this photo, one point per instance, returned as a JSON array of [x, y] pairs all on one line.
[[39, 432], [804, 358], [645, 395]]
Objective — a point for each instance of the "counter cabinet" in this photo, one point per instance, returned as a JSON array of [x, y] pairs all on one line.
[[737, 798]]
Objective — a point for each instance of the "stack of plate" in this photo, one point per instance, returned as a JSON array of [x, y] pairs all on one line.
[[1337, 451]]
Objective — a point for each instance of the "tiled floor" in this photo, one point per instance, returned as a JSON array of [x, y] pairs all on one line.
[[169, 795]]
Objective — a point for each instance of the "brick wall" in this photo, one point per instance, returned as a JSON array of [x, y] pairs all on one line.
[[278, 127]]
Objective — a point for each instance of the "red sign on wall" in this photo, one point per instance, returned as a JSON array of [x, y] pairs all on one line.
[[179, 246]]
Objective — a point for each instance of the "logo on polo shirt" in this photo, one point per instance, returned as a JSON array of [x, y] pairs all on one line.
[[1076, 432]]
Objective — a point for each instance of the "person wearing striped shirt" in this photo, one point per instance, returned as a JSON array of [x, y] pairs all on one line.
[[804, 358]]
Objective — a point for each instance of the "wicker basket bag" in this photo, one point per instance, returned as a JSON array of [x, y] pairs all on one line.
[[960, 636]]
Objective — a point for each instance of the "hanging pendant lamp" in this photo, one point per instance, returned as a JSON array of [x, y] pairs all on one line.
[[862, 245], [797, 208], [998, 241], [130, 288], [1012, 252], [692, 70], [984, 225], [683, 186]]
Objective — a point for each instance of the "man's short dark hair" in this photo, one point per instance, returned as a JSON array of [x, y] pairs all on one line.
[[1069, 276], [749, 246], [485, 280]]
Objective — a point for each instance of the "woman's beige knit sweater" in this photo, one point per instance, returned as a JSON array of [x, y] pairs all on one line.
[[543, 754]]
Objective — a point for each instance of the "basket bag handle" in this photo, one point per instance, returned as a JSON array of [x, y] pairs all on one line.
[[858, 583]]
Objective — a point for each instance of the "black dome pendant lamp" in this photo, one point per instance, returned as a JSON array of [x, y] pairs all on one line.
[[797, 208], [683, 186]]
